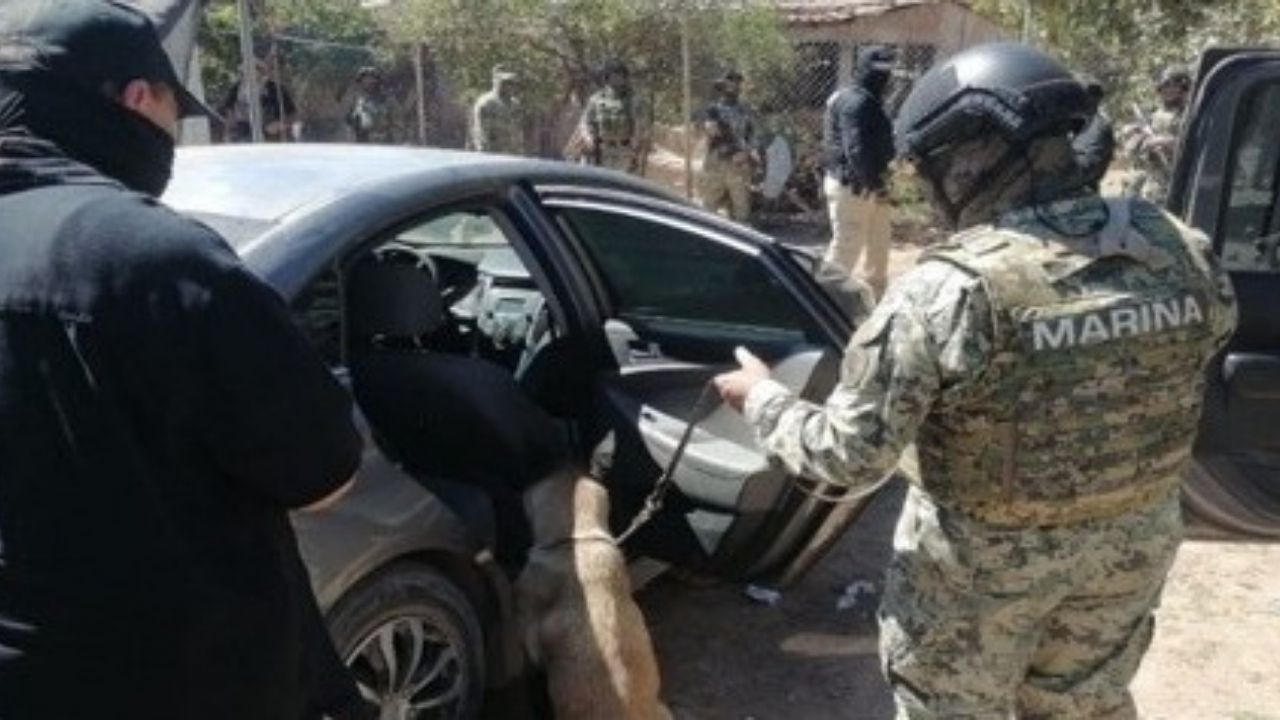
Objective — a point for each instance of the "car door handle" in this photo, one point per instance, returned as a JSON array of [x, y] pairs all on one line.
[[638, 350]]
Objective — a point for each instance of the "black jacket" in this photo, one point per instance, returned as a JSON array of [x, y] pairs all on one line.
[[159, 414], [857, 134]]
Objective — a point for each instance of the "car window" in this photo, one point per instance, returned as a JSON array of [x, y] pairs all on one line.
[[1251, 224], [460, 229], [656, 271]]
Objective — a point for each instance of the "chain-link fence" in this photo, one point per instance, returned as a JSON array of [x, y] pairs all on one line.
[[312, 86]]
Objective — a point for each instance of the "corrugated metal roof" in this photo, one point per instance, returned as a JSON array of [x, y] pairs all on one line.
[[824, 12]]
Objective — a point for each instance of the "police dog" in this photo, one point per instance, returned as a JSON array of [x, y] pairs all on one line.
[[578, 619]]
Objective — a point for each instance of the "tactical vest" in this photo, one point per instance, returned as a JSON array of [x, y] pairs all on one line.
[[1091, 401], [502, 125], [613, 117]]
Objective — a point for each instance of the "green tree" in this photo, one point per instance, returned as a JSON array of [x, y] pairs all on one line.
[[319, 44], [557, 45], [1127, 43]]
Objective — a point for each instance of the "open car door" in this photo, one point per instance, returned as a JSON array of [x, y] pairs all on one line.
[[1227, 184], [677, 292]]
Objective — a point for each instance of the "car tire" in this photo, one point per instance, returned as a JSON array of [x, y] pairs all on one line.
[[412, 640], [1229, 503]]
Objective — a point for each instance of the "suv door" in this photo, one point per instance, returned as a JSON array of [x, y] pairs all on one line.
[[1227, 184], [676, 292]]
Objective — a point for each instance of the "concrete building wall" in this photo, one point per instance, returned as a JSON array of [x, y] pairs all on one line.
[[946, 27]]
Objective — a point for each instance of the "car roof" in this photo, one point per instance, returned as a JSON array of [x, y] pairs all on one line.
[[287, 208], [266, 183]]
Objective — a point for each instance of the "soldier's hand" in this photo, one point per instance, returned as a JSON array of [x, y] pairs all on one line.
[[735, 385]]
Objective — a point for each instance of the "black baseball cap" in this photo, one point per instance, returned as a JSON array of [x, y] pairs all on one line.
[[90, 43]]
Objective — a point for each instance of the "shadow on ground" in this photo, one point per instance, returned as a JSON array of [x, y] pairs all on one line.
[[726, 657]]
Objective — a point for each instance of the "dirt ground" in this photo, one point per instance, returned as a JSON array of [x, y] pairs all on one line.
[[726, 657], [1216, 653]]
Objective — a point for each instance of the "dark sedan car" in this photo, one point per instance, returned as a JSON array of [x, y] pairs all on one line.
[[610, 303]]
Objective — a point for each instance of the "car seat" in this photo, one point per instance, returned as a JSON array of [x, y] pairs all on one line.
[[448, 415]]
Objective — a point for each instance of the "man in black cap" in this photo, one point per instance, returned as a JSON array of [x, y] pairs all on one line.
[[159, 411], [857, 148]]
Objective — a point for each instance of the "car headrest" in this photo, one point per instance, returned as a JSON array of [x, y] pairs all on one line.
[[393, 295]]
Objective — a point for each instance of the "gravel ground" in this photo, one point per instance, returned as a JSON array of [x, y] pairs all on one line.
[[725, 657]]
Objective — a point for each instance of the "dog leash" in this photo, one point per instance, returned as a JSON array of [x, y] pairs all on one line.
[[815, 489], [653, 503]]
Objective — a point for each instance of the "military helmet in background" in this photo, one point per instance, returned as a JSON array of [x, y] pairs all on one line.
[[503, 73], [1007, 88], [1174, 76], [614, 66], [729, 77]]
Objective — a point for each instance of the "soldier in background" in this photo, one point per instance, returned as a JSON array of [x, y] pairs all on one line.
[[497, 120], [372, 115], [731, 156], [1048, 363], [1154, 145], [1095, 145], [609, 121], [278, 109]]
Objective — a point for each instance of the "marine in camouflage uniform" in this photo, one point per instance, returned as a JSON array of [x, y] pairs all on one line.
[[497, 120], [372, 116], [609, 121], [1153, 146], [1048, 364], [729, 162]]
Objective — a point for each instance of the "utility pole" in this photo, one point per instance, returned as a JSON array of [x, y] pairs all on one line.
[[248, 71]]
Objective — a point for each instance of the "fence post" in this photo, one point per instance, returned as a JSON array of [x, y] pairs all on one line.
[[420, 82], [249, 73], [687, 83]]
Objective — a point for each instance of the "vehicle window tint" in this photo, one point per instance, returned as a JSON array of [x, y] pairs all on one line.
[[318, 311], [1251, 225], [656, 271], [460, 229]]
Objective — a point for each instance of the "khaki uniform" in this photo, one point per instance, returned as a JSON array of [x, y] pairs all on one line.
[[609, 123], [725, 182], [1051, 379], [497, 125], [861, 228], [1152, 154]]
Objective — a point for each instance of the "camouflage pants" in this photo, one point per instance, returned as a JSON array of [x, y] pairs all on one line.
[[981, 623], [617, 157], [726, 184]]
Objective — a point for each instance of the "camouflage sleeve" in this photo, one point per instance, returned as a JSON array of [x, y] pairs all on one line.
[[480, 126], [591, 120], [928, 338]]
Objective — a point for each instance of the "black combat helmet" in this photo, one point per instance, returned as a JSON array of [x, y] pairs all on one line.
[[614, 67], [1008, 90]]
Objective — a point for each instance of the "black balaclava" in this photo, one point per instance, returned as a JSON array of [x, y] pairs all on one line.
[[88, 127], [873, 72]]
